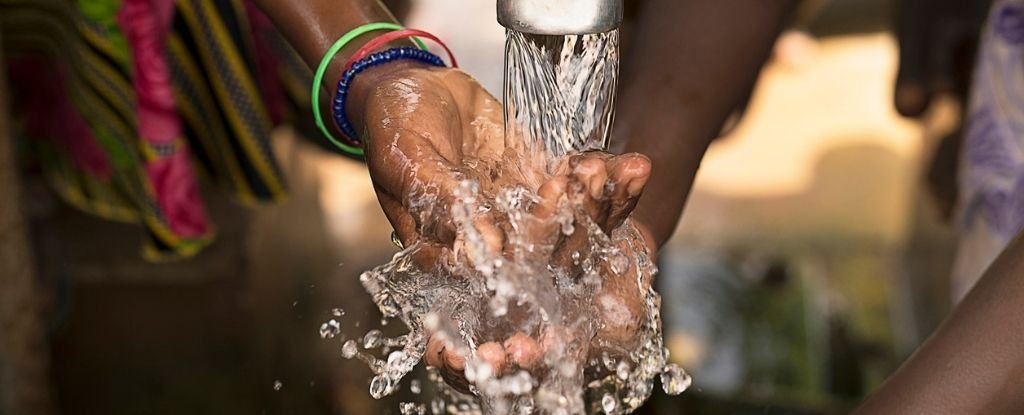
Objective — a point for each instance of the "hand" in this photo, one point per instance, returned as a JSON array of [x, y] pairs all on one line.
[[607, 188], [429, 128]]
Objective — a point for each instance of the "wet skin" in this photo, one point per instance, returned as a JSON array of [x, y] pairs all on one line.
[[429, 128]]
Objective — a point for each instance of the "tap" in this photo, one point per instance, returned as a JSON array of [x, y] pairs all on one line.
[[560, 17]]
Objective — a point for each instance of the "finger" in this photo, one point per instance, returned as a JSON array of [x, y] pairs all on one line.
[[435, 348], [453, 360], [401, 221], [560, 342], [492, 235], [590, 169], [629, 174], [550, 194], [450, 364], [619, 306], [522, 351], [493, 354]]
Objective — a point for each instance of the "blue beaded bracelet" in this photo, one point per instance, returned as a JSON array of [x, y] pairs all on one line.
[[376, 59]]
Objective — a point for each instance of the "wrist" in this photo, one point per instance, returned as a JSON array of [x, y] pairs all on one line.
[[368, 82]]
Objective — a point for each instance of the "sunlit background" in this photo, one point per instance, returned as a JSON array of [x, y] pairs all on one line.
[[811, 259]]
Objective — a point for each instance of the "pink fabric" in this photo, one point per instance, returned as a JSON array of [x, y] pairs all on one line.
[[145, 24], [182, 205], [50, 113]]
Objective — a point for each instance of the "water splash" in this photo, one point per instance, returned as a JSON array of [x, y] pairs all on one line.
[[598, 355]]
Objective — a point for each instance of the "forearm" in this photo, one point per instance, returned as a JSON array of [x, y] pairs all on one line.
[[689, 64], [312, 26], [974, 363]]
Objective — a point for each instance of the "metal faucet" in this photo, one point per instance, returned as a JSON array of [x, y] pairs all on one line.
[[560, 17]]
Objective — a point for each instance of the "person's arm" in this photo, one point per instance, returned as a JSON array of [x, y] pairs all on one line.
[[974, 363], [689, 64], [312, 26]]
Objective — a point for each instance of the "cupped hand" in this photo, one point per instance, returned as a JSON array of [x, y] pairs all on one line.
[[428, 129]]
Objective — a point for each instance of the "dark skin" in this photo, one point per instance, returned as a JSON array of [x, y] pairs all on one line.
[[415, 151], [670, 109]]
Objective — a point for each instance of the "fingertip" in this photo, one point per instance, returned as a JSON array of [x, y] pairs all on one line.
[[522, 350], [492, 235], [453, 360], [592, 171], [494, 354], [435, 347], [550, 192]]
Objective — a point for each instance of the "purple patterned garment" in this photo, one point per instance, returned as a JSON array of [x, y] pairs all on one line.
[[993, 174]]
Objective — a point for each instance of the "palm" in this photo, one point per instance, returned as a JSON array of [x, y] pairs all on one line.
[[424, 125], [429, 129]]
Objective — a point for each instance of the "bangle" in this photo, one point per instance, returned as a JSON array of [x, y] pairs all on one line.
[[383, 39], [376, 59], [322, 69]]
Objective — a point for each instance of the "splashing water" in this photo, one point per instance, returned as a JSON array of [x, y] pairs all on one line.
[[599, 355]]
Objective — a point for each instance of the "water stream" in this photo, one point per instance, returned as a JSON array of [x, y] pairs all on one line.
[[559, 97]]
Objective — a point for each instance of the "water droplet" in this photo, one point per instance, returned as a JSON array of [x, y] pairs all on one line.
[[278, 385], [437, 406], [608, 403], [395, 358], [379, 386], [609, 363], [337, 312], [519, 384], [330, 329], [409, 408], [349, 349], [622, 371], [675, 380], [567, 226], [431, 321], [414, 386], [372, 339], [477, 370]]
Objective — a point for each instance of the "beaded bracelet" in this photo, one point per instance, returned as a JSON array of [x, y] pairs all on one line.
[[375, 59]]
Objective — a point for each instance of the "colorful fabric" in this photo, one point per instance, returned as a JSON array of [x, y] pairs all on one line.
[[992, 174], [123, 100]]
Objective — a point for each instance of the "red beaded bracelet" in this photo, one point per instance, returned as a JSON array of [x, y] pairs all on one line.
[[383, 39]]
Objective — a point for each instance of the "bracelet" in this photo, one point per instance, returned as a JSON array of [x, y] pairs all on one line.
[[376, 59], [322, 69], [386, 38]]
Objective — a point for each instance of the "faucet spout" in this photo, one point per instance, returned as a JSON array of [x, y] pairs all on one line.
[[560, 17]]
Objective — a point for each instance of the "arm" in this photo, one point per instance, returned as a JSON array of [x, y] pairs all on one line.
[[312, 26], [974, 363], [690, 64]]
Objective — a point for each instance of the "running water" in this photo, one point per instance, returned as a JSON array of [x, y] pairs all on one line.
[[559, 93]]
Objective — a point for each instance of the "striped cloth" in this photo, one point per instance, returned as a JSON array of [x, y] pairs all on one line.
[[125, 102]]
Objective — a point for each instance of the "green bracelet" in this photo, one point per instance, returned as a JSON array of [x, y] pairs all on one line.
[[318, 78]]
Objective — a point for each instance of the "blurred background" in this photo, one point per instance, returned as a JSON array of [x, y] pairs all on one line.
[[813, 257]]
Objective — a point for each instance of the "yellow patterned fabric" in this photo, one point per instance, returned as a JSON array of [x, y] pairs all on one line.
[[77, 72]]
